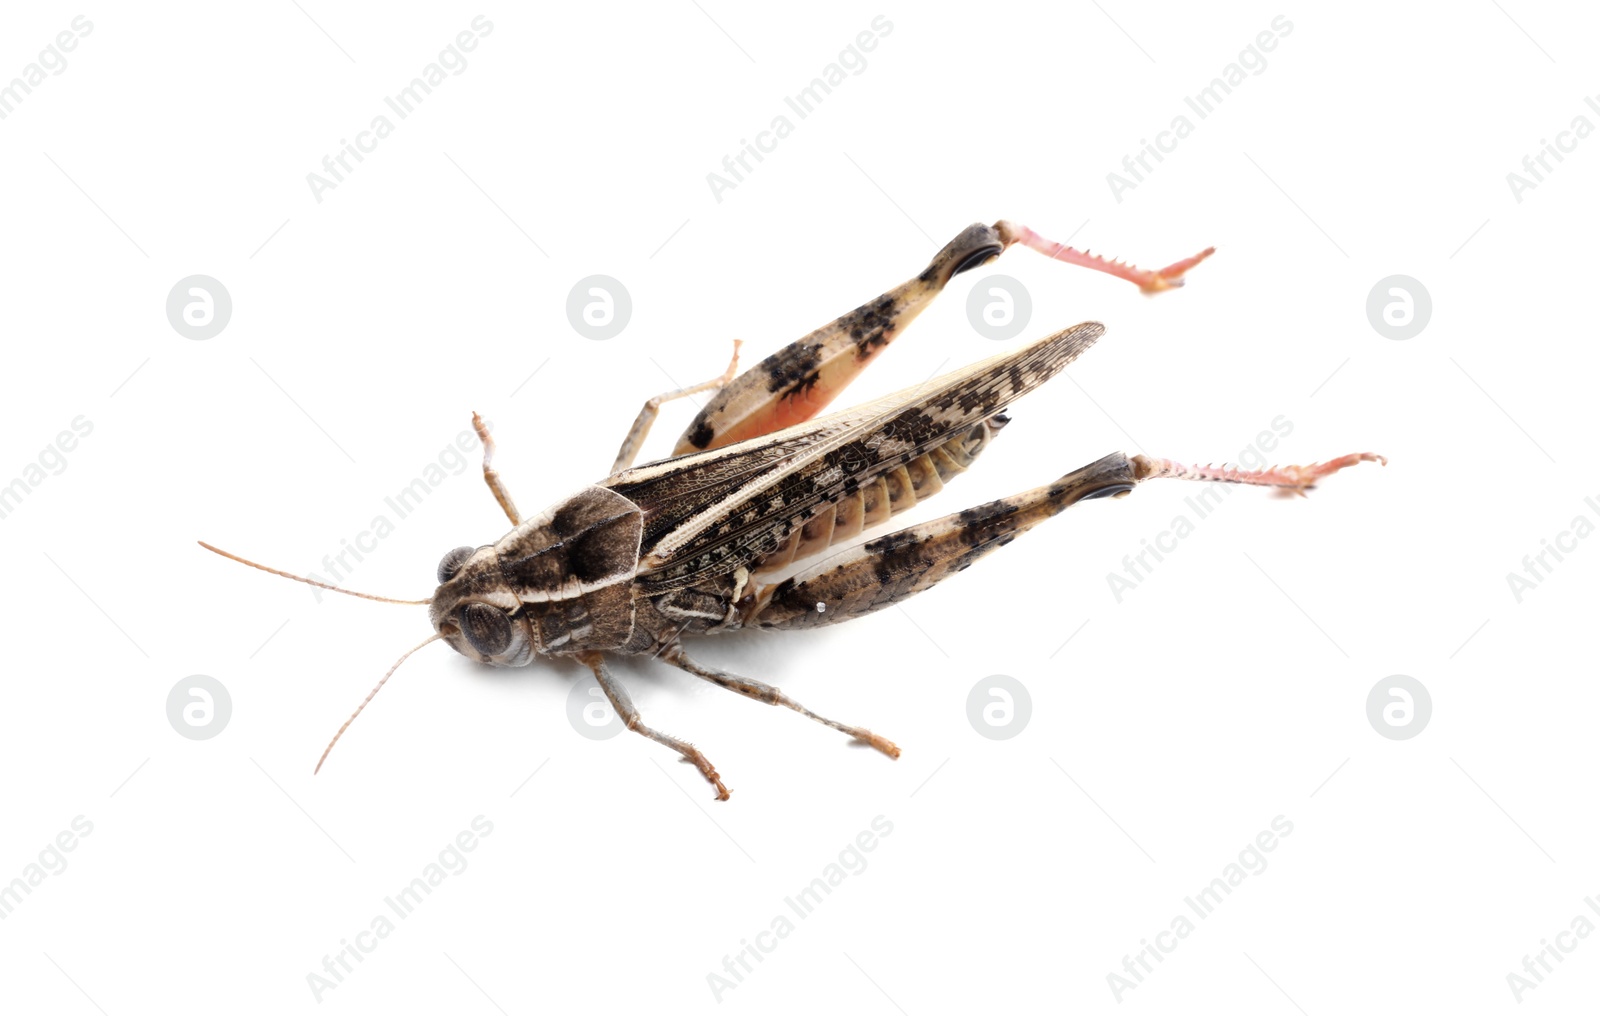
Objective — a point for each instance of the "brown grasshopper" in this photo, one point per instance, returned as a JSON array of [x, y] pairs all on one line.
[[696, 544]]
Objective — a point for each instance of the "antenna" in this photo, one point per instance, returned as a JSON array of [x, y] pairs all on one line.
[[374, 691], [309, 582]]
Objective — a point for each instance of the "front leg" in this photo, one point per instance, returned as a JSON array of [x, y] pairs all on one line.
[[630, 716], [800, 380], [491, 477]]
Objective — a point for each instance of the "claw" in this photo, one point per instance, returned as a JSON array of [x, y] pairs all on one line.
[[879, 742], [1303, 478], [1171, 277]]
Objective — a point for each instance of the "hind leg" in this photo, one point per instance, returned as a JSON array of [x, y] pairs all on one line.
[[797, 382], [885, 571], [1296, 478], [1160, 280]]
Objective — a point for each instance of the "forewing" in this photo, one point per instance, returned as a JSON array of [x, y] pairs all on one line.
[[711, 513], [674, 491]]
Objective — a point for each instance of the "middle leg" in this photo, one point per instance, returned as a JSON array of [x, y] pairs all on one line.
[[773, 697], [623, 704]]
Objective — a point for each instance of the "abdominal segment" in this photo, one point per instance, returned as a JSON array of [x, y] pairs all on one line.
[[890, 494]]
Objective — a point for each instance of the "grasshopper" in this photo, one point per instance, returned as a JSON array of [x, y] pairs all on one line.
[[698, 543]]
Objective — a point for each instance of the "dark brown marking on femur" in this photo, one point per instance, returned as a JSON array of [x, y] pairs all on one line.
[[871, 325], [793, 368], [702, 433]]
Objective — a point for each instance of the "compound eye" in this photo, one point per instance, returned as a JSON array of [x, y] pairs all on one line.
[[487, 628], [452, 562]]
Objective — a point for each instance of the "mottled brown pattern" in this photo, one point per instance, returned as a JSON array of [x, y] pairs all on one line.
[[591, 537], [792, 368], [760, 503], [872, 325], [599, 618], [563, 576]]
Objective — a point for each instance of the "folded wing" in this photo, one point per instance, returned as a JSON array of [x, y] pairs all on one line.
[[713, 512]]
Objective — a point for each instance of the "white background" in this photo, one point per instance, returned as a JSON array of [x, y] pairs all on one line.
[[1229, 688]]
